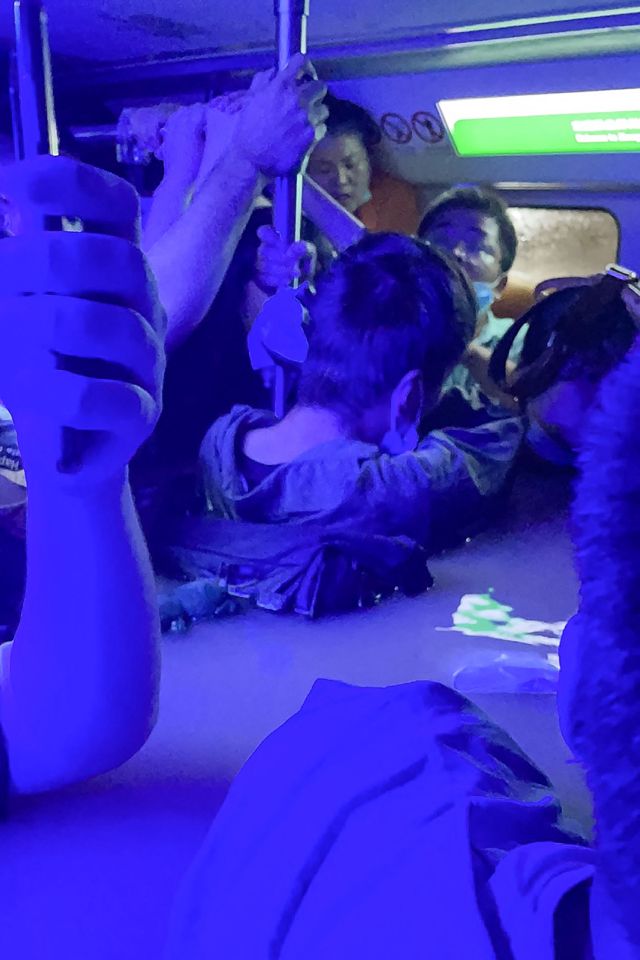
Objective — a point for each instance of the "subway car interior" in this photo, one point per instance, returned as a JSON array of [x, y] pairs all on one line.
[[536, 103]]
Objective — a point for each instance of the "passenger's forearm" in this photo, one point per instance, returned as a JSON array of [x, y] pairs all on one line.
[[80, 693], [191, 259], [169, 203]]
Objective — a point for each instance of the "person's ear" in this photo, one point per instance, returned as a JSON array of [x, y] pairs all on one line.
[[407, 402], [502, 284]]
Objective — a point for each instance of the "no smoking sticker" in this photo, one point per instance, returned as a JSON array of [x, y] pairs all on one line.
[[428, 127], [396, 128]]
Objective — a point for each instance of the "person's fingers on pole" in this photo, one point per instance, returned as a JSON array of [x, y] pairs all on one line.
[[308, 72], [312, 93], [298, 65], [268, 235], [261, 80]]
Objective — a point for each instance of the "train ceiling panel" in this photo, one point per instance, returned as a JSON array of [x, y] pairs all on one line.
[[116, 31]]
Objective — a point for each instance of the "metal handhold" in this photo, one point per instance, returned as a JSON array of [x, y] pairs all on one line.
[[278, 336]]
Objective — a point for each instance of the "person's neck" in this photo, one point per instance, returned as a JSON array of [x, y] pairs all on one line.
[[301, 430]]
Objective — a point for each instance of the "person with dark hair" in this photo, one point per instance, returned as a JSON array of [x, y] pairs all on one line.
[[342, 162], [402, 821], [388, 322], [574, 337], [473, 225]]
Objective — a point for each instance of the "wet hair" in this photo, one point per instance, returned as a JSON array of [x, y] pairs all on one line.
[[606, 719], [481, 201], [571, 336], [347, 118], [388, 305]]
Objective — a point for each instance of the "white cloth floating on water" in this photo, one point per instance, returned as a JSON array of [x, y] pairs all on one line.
[[481, 615]]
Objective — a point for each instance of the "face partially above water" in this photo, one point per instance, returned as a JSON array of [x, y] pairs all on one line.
[[473, 239], [340, 165]]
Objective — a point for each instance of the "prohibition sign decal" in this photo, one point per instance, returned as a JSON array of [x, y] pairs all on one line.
[[396, 128], [427, 127]]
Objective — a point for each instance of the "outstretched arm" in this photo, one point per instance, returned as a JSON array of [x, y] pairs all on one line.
[[275, 125], [191, 258], [79, 683], [181, 151]]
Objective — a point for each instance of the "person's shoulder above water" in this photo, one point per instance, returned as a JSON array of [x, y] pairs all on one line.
[[418, 767], [224, 437]]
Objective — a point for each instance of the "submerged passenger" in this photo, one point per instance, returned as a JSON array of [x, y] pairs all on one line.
[[346, 472], [212, 279], [401, 822], [474, 226], [79, 683]]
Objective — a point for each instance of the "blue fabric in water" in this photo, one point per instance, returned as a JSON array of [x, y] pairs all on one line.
[[369, 825]]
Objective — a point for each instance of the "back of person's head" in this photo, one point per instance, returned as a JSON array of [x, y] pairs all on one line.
[[388, 306], [605, 707], [348, 118], [477, 200]]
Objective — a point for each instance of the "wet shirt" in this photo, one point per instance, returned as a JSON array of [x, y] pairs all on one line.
[[391, 822], [449, 481], [465, 383]]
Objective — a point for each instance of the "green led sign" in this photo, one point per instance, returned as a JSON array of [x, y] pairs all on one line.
[[576, 123]]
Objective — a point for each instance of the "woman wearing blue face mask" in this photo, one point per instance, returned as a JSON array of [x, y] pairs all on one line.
[[474, 227]]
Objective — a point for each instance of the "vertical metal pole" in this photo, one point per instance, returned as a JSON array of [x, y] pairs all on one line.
[[291, 24], [291, 38], [35, 86], [36, 133]]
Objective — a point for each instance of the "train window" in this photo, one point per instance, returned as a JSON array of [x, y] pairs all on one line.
[[557, 242]]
